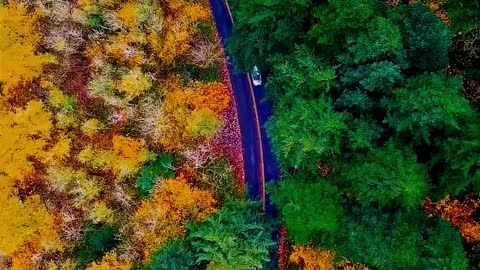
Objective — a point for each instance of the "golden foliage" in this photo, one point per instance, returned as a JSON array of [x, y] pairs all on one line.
[[28, 226], [125, 158], [135, 83], [199, 104], [122, 48], [60, 151], [213, 95], [459, 213], [128, 14], [97, 159], [86, 189], [100, 213], [91, 126], [57, 98], [18, 44], [110, 262], [166, 214], [24, 135], [128, 155], [203, 123], [59, 178], [312, 259]]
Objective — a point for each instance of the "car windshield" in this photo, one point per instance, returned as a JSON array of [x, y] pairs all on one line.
[[256, 73]]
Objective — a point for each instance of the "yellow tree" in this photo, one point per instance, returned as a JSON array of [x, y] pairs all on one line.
[[23, 135], [165, 215], [212, 95], [26, 228], [18, 47], [313, 259], [110, 262], [128, 155], [26, 135]]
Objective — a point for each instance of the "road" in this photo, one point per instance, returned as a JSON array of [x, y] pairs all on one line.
[[260, 164]]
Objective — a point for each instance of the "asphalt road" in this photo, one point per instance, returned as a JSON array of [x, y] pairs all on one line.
[[260, 164]]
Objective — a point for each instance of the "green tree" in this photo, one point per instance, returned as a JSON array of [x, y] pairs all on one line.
[[380, 39], [305, 132], [307, 207], [175, 255], [236, 237], [299, 75], [461, 153], [464, 15], [98, 241], [443, 247], [379, 76], [427, 103], [386, 175], [381, 240], [426, 39], [265, 27]]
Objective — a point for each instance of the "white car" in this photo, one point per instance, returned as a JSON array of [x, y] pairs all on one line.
[[256, 76]]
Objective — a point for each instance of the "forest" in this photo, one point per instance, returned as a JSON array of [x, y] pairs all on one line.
[[375, 127], [120, 147]]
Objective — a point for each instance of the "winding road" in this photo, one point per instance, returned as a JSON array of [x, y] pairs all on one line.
[[259, 161]]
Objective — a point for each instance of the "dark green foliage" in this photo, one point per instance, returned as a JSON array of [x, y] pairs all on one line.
[[95, 18], [175, 255], [464, 15], [132, 128], [339, 21], [462, 155], [307, 207], [387, 176], [193, 72], [362, 97], [305, 132], [97, 241], [218, 176], [236, 237], [380, 40], [443, 247], [162, 167], [300, 75], [99, 110], [363, 134], [354, 101], [379, 76], [263, 27], [381, 240], [400, 240], [426, 103], [426, 38], [206, 30]]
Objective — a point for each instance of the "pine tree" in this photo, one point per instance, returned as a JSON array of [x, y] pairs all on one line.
[[386, 176], [307, 207], [306, 132]]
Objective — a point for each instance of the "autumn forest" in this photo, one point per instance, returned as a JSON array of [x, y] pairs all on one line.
[[121, 149]]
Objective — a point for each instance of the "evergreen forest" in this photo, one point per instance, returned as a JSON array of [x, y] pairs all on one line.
[[375, 126]]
